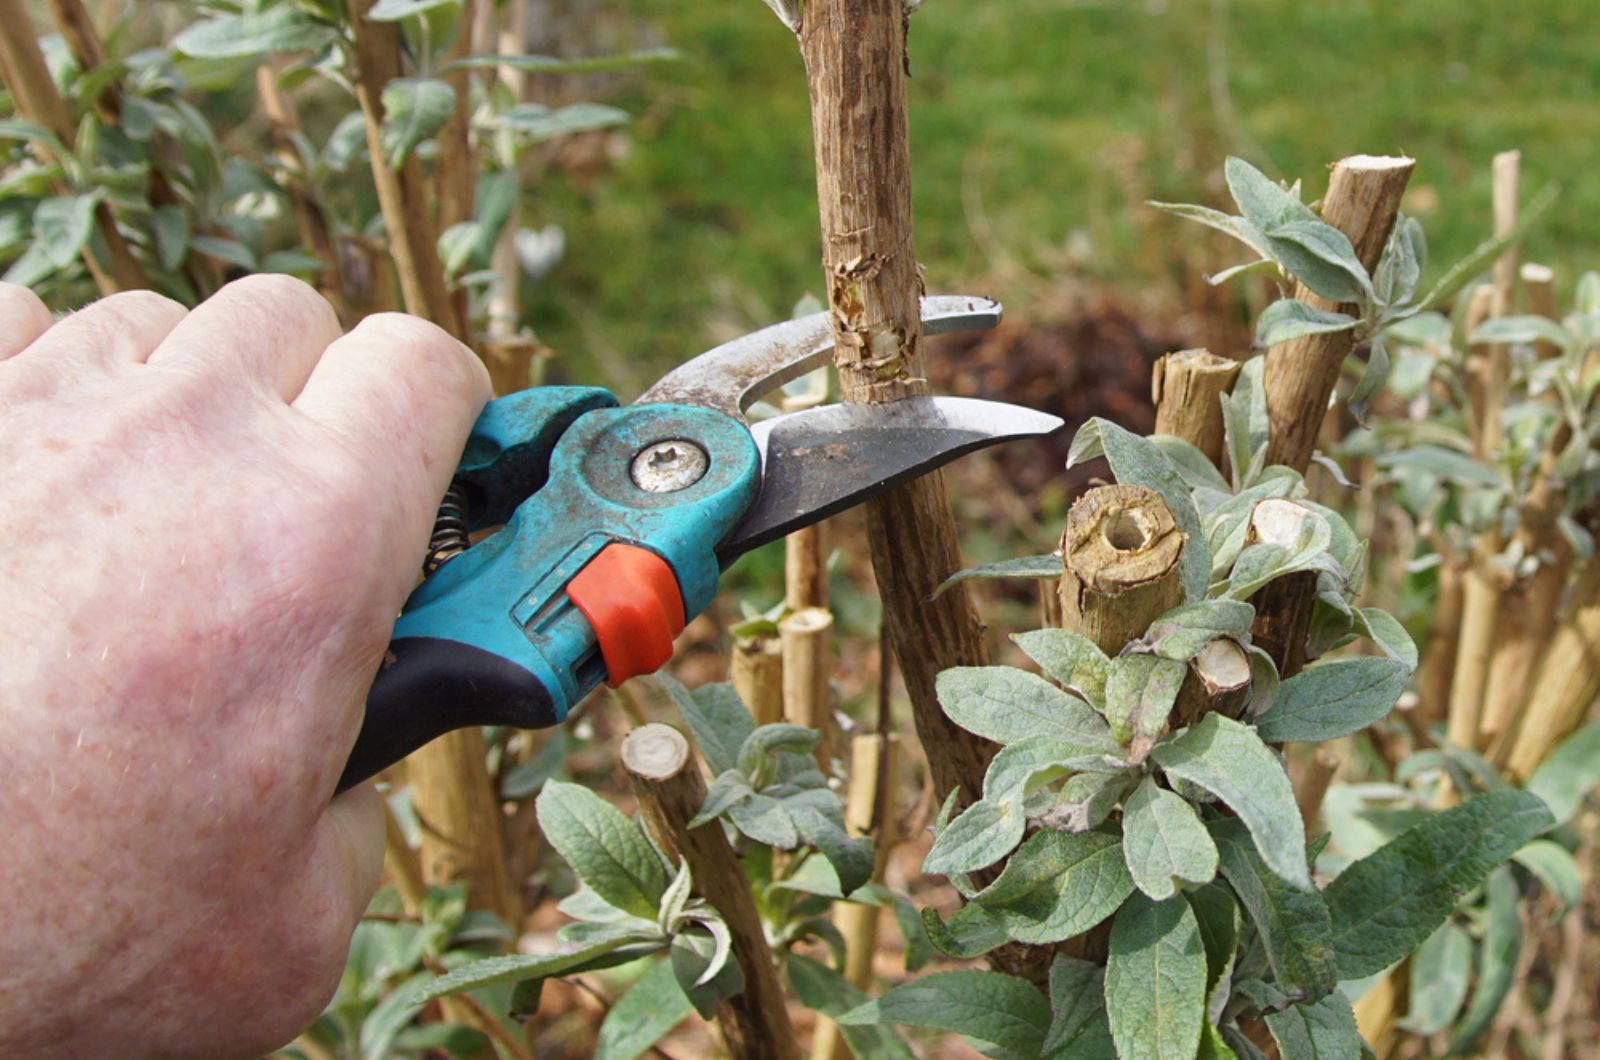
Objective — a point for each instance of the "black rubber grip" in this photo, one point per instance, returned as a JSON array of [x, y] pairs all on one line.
[[427, 687]]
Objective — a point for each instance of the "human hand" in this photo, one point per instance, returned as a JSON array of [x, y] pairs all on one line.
[[211, 521]]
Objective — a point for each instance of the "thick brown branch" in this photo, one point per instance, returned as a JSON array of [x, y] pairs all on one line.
[[855, 55]]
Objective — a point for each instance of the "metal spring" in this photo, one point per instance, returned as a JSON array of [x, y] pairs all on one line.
[[449, 538]]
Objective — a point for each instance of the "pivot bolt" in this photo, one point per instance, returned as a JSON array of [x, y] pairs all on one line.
[[669, 466]]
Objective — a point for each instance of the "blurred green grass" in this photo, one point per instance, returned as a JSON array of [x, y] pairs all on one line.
[[1038, 128]]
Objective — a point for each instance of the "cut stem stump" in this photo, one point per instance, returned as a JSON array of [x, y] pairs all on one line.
[[756, 670], [1119, 565], [661, 770], [1362, 201], [855, 58], [1187, 387], [807, 699]]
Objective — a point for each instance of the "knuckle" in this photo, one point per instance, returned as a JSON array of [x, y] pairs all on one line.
[[20, 304], [437, 358], [286, 298]]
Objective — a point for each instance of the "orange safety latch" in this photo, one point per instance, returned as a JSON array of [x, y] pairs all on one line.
[[630, 597]]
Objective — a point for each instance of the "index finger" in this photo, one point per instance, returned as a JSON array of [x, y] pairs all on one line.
[[401, 396]]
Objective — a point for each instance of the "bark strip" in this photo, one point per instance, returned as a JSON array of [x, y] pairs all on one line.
[[661, 770]]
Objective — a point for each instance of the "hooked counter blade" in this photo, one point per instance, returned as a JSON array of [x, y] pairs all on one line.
[[823, 460], [732, 376]]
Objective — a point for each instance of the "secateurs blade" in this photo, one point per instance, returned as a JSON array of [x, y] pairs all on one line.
[[616, 523]]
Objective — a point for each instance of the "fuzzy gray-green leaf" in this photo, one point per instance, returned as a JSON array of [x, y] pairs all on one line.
[[1079, 1027], [650, 1008], [1045, 566], [1071, 658], [1183, 631], [1164, 842], [999, 1009], [1321, 257], [415, 108], [824, 990], [605, 849], [1156, 980], [1324, 1029], [984, 833], [1139, 698], [1286, 320], [716, 717], [1056, 886], [1229, 760], [1388, 902], [1004, 704], [1334, 699], [1295, 927]]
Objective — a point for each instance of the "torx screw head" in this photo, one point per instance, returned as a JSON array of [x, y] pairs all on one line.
[[669, 466]]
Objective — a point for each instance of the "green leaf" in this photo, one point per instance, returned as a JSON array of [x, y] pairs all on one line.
[[1373, 378], [1137, 461], [551, 64], [1569, 773], [1295, 928], [704, 971], [918, 948], [651, 1007], [1385, 904], [1070, 658], [824, 990], [1164, 842], [777, 738], [1384, 630], [1139, 698], [347, 143], [1156, 980], [1086, 800], [1334, 699], [603, 847], [395, 10], [1237, 227], [1440, 970], [1004, 704], [1321, 257], [280, 28], [415, 109], [539, 123], [718, 719], [1183, 631], [1263, 201], [1324, 1029], [984, 833], [1556, 869], [1079, 1027], [62, 225], [1045, 566], [1497, 959], [1229, 760], [1286, 320], [618, 948], [1054, 887], [1000, 1010]]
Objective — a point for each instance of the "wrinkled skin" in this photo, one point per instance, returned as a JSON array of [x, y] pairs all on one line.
[[210, 521]]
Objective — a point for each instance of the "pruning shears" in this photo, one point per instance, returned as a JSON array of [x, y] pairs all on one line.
[[616, 522]]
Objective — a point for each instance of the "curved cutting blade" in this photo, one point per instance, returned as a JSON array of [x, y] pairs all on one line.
[[732, 376], [824, 460]]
